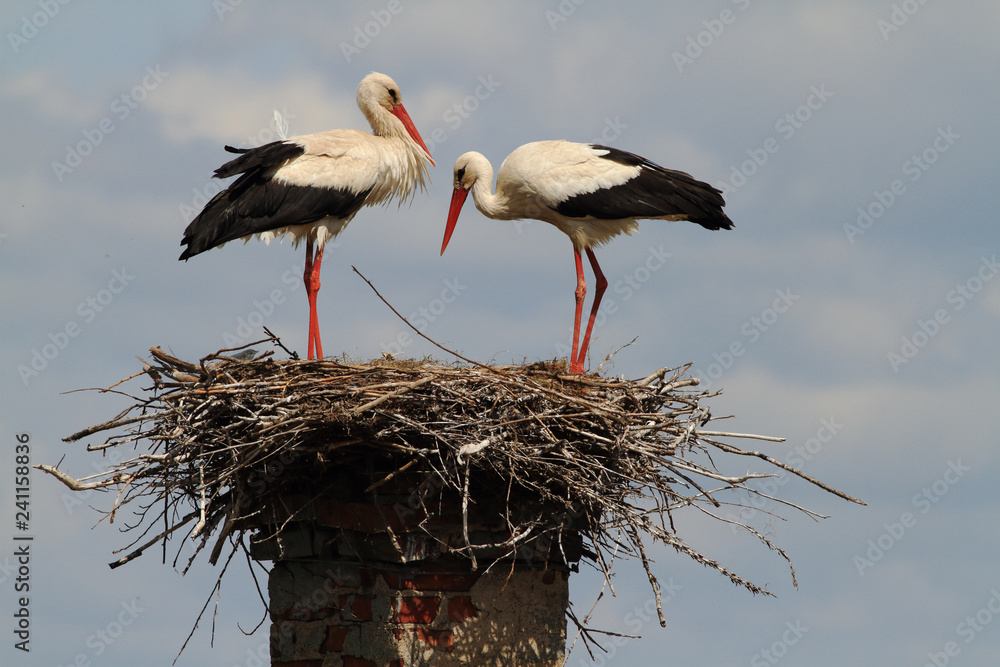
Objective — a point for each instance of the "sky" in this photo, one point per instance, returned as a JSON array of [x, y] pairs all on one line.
[[852, 310]]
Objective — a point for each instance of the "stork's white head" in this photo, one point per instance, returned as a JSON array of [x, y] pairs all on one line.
[[378, 94], [378, 89], [469, 168]]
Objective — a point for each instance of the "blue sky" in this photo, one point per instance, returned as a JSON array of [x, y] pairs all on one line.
[[852, 310]]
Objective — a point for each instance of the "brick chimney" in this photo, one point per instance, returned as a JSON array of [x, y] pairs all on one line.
[[375, 580]]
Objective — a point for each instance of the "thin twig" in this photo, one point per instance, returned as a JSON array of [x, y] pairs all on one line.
[[420, 333]]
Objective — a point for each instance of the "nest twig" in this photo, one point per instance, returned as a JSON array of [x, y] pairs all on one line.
[[611, 459]]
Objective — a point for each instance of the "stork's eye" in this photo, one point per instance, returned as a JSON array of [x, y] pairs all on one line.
[[460, 174], [394, 95]]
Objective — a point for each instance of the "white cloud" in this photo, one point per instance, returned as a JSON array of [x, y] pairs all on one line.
[[43, 89], [230, 106]]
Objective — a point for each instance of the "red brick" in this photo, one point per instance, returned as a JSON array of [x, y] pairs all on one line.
[[439, 639], [361, 608], [391, 579], [445, 581], [299, 663], [305, 612], [426, 579], [417, 610], [460, 608], [335, 637], [366, 577]]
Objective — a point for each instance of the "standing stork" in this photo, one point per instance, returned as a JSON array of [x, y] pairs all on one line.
[[310, 186], [592, 193]]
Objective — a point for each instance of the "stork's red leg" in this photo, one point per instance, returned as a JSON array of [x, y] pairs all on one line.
[[600, 284], [575, 365], [311, 279], [317, 263], [307, 281]]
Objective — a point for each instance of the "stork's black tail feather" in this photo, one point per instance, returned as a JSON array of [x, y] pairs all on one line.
[[656, 192], [262, 158], [214, 225], [258, 202]]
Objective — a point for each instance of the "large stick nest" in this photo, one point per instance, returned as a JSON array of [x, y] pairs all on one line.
[[611, 459]]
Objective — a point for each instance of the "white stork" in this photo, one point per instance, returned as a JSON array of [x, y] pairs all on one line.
[[590, 192], [310, 186]]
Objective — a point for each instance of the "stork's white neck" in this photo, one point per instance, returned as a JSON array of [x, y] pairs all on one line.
[[495, 206]]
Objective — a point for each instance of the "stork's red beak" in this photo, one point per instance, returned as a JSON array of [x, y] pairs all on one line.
[[400, 112], [457, 199]]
